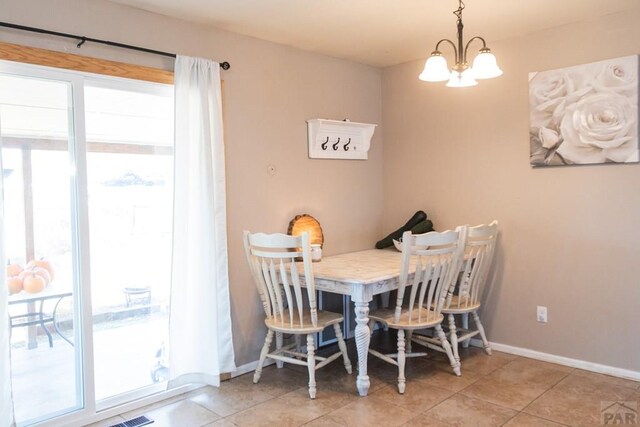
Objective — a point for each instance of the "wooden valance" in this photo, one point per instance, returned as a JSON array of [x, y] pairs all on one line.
[[50, 58]]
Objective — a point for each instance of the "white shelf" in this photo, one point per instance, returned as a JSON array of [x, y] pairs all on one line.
[[339, 139]]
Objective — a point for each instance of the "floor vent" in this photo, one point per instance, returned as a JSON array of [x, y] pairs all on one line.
[[135, 422]]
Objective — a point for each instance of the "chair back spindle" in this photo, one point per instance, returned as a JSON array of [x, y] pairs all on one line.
[[437, 258], [272, 261], [479, 248]]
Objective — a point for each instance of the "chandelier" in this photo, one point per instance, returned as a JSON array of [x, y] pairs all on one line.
[[461, 75]]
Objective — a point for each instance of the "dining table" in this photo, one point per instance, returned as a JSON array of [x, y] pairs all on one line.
[[361, 275]]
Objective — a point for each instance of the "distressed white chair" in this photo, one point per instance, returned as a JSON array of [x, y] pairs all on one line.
[[436, 257], [272, 261], [464, 296]]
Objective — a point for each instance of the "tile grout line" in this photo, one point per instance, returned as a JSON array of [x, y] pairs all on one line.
[[220, 417], [272, 397], [547, 391], [516, 414], [503, 367]]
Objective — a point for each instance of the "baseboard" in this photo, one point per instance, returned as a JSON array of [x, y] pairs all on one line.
[[561, 360], [518, 351], [249, 367]]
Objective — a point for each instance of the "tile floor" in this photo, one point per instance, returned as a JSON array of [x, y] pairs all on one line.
[[495, 390]]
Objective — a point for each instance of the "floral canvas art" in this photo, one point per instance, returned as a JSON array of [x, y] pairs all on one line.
[[587, 114]]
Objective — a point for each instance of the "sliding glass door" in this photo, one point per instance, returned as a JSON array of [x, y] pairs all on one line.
[[88, 178], [39, 141]]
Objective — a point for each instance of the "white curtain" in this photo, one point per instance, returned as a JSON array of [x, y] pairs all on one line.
[[6, 401], [201, 344]]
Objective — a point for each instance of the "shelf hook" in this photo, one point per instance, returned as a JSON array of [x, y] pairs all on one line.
[[335, 146], [324, 144]]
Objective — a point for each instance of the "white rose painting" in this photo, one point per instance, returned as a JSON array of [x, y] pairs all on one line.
[[586, 114]]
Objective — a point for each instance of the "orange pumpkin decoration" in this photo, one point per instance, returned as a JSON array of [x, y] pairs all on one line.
[[15, 285], [34, 283], [13, 269], [42, 263], [42, 273]]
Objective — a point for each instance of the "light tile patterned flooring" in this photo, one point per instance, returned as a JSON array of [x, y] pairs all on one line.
[[495, 390]]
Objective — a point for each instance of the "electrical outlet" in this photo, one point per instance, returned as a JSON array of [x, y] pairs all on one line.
[[542, 314]]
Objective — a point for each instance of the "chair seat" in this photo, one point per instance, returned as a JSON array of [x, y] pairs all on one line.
[[420, 318], [460, 305], [325, 318]]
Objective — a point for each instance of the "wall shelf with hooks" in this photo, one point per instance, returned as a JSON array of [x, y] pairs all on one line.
[[339, 139]]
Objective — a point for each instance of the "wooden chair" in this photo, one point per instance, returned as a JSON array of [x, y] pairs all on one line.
[[272, 260], [464, 296], [436, 257]]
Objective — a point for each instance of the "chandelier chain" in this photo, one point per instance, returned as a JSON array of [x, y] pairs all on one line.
[[458, 12]]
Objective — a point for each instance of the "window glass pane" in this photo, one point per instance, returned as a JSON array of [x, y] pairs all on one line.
[[130, 117], [33, 108], [51, 205], [14, 197], [130, 178]]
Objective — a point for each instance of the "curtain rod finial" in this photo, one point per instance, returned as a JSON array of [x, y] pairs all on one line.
[[225, 65]]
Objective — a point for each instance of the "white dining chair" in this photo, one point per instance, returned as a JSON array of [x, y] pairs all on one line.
[[436, 259], [465, 294], [277, 275]]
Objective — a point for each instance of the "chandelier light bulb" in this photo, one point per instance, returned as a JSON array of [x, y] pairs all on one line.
[[435, 69], [485, 65], [464, 79]]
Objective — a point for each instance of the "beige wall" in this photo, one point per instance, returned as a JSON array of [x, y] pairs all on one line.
[[270, 91], [569, 236]]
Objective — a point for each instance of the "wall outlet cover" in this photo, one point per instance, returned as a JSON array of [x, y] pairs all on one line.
[[541, 314]]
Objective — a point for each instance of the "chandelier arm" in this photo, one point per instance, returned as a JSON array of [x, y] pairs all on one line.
[[455, 50], [466, 47]]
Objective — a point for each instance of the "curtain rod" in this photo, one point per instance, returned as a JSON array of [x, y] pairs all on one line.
[[82, 39]]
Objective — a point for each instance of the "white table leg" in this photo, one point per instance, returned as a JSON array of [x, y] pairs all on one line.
[[363, 338], [465, 325], [279, 339]]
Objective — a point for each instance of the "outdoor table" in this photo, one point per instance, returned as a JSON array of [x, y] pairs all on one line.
[[35, 314]]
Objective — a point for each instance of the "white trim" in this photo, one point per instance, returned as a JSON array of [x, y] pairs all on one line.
[[561, 360], [79, 208], [120, 400], [77, 419]]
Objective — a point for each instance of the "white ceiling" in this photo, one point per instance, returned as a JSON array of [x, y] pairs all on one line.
[[379, 32]]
